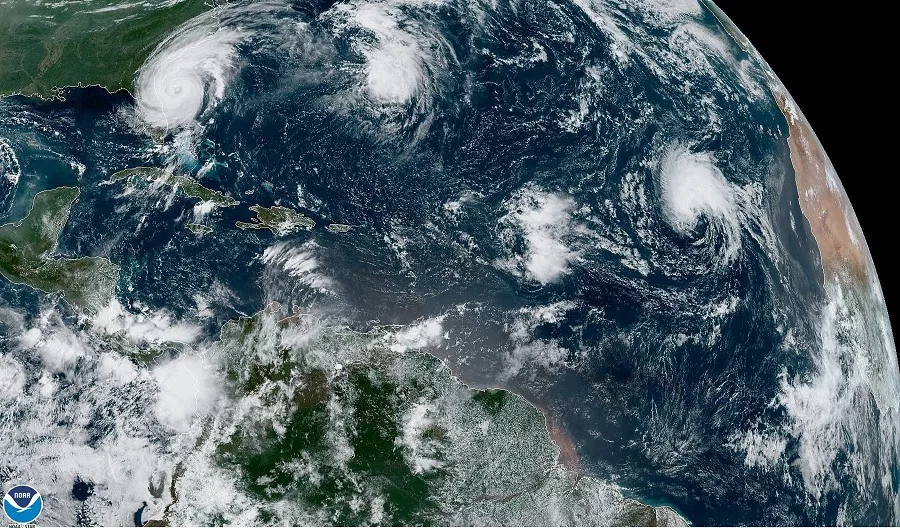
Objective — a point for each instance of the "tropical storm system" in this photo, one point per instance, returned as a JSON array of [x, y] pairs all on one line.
[[427, 262]]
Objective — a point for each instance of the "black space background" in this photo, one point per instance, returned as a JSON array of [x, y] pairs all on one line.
[[834, 58]]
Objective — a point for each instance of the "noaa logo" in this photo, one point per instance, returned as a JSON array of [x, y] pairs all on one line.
[[22, 504]]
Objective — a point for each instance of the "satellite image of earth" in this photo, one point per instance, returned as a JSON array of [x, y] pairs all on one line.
[[428, 262]]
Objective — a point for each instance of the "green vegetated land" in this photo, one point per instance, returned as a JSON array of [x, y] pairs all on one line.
[[26, 246], [338, 228], [190, 187], [198, 229], [341, 430], [277, 219], [49, 45]]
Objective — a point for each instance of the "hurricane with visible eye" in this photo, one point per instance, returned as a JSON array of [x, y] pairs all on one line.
[[396, 261], [186, 75], [398, 70]]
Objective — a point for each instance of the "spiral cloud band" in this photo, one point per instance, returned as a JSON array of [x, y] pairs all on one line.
[[692, 186], [186, 74]]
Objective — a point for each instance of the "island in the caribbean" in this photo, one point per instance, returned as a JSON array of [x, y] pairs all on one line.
[[366, 418]]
